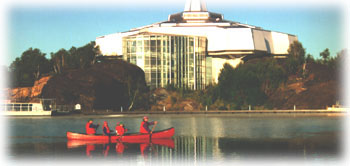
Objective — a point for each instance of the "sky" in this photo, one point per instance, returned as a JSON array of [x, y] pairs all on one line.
[[51, 26]]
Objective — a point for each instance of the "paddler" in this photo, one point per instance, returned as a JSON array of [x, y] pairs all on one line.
[[90, 127], [106, 130], [144, 127], [120, 129]]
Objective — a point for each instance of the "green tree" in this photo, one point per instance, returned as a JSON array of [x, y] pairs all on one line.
[[309, 58], [240, 86], [296, 50], [296, 58], [29, 67], [247, 84], [325, 55], [209, 95], [83, 57], [58, 60], [270, 74], [75, 58]]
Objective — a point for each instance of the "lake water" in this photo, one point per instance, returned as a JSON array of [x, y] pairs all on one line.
[[199, 139]]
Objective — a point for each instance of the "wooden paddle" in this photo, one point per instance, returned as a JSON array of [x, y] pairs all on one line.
[[154, 126]]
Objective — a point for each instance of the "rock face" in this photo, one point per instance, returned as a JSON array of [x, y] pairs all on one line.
[[172, 101], [20, 93], [319, 90], [38, 86], [107, 85], [28, 94]]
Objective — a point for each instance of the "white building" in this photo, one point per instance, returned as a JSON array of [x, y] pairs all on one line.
[[227, 41]]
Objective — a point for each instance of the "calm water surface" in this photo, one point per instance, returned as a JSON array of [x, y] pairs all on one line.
[[198, 138]]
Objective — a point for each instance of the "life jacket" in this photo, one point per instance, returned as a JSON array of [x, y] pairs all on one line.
[[107, 128], [142, 129], [120, 130], [88, 129]]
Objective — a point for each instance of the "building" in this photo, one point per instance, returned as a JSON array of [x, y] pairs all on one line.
[[226, 42], [168, 59]]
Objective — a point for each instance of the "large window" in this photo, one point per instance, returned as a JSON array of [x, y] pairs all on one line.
[[168, 59]]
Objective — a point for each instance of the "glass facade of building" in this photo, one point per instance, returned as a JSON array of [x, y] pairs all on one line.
[[168, 59]]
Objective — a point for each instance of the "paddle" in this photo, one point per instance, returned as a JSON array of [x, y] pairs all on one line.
[[154, 126]]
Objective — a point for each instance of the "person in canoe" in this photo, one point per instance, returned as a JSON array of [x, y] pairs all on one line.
[[106, 130], [120, 129], [90, 127], [144, 127]]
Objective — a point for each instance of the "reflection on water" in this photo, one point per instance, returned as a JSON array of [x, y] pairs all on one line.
[[197, 139], [188, 148], [145, 147]]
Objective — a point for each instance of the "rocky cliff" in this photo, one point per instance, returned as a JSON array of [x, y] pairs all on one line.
[[27, 94], [321, 88]]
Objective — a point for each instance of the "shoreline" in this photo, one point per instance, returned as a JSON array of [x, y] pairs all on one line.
[[316, 111], [343, 112]]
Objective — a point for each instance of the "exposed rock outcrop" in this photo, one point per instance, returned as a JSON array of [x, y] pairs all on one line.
[[20, 93], [172, 101], [38, 86], [27, 94], [321, 88]]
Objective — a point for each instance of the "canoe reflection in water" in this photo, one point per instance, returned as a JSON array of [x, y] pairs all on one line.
[[145, 146]]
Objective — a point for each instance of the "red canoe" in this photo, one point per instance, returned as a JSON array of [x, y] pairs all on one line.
[[167, 133], [169, 142]]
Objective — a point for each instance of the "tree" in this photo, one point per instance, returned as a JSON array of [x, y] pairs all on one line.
[[75, 58], [296, 58], [58, 60], [29, 67], [309, 58], [296, 50], [325, 55], [84, 56], [270, 74], [240, 86]]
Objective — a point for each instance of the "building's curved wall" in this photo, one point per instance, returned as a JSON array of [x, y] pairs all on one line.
[[272, 42], [280, 43], [230, 39], [109, 44], [219, 39], [112, 44], [263, 40]]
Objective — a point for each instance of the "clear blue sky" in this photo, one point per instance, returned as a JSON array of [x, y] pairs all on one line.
[[53, 28]]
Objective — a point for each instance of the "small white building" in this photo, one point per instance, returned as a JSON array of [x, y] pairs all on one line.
[[227, 41]]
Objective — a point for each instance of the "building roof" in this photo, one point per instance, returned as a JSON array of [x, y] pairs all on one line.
[[196, 14], [195, 6]]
